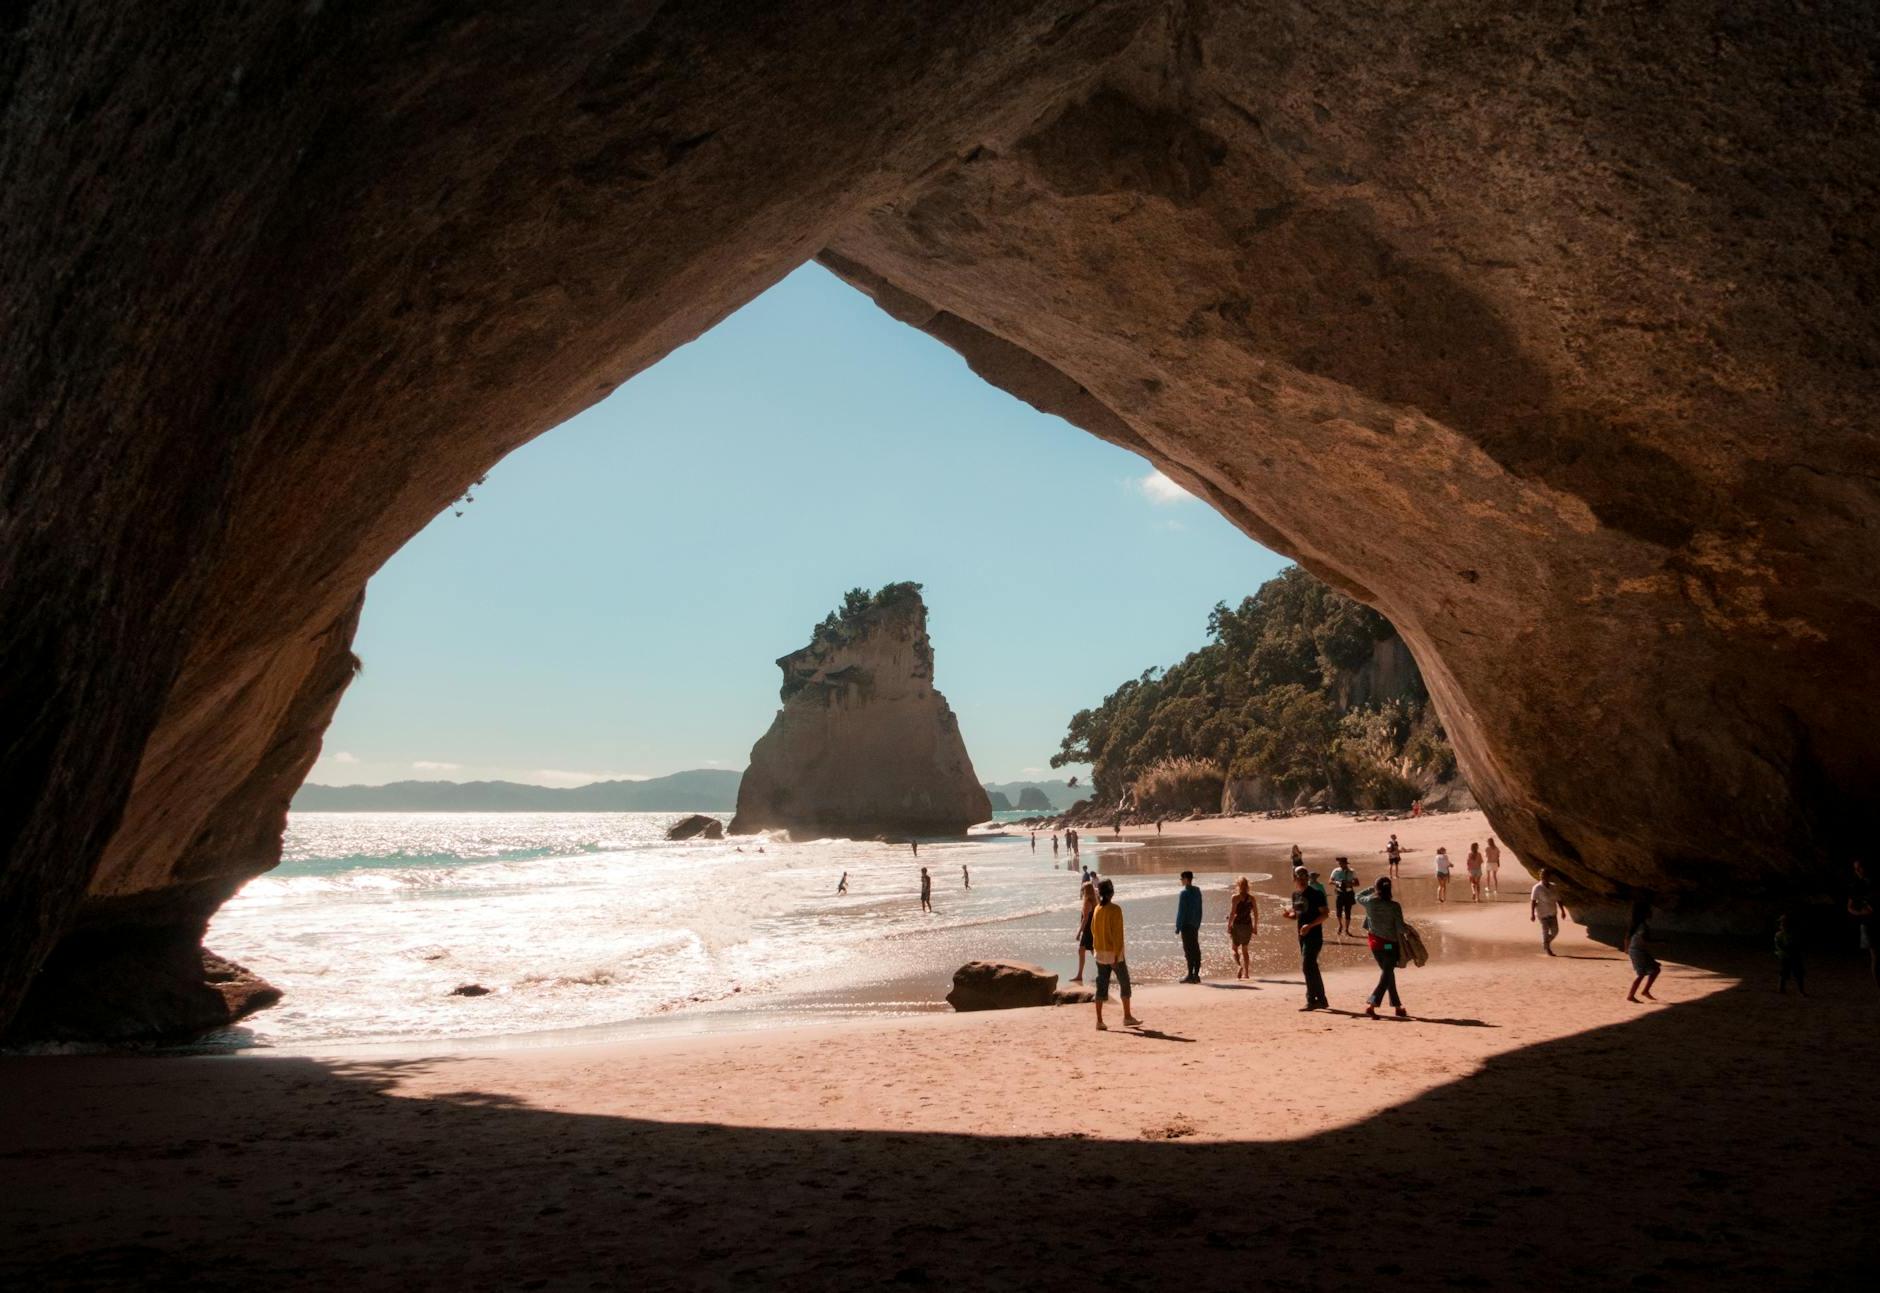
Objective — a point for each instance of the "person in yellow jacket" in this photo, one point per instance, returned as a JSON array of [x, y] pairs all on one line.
[[1106, 938]]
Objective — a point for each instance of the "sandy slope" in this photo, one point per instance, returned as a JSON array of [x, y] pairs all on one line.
[[1529, 1125]]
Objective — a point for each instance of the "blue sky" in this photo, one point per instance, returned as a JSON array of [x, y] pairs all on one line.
[[613, 602]]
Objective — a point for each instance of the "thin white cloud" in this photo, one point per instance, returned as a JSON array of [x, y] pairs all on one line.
[[575, 777], [339, 756], [436, 765], [1158, 488]]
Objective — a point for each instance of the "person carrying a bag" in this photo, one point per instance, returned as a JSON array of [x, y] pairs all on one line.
[[1383, 923]]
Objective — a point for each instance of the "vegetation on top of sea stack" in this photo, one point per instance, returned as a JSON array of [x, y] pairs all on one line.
[[1279, 696], [844, 624]]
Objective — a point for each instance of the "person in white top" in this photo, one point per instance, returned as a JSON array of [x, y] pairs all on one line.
[[1492, 855], [1442, 875], [1544, 906]]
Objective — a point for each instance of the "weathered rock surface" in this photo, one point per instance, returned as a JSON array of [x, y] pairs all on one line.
[[1549, 331], [138, 984], [864, 744], [697, 826], [1001, 985]]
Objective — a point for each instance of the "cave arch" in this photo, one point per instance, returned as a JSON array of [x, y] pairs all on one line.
[[1551, 337]]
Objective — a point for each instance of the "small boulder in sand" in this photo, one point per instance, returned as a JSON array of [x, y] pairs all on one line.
[[697, 826], [1001, 985], [470, 990]]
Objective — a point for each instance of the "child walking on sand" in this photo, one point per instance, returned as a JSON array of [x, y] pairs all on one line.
[[1645, 966], [1106, 934]]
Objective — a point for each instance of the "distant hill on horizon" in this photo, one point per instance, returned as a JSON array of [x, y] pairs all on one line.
[[1062, 795], [701, 790]]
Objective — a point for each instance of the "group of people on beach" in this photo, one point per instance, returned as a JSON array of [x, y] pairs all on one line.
[[1484, 867], [1100, 934]]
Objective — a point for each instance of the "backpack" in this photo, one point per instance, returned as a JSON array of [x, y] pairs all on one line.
[[1410, 949]]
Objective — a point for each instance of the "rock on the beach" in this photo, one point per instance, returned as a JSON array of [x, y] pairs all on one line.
[[697, 826], [864, 744], [1001, 985], [148, 985], [470, 990]]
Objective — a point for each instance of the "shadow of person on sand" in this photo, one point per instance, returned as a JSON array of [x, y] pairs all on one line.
[[1721, 1142], [1156, 1034]]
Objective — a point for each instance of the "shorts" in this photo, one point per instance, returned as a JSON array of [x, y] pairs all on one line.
[[1083, 937], [1241, 934], [1121, 970], [1346, 901], [1550, 926], [1643, 962]]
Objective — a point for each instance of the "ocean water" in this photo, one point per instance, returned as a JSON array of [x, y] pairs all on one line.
[[585, 921]]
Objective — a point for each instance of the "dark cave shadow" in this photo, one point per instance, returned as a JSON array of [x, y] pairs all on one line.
[[1718, 1143]]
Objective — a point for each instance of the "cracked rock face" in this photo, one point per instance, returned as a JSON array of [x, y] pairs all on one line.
[[864, 744], [1551, 335]]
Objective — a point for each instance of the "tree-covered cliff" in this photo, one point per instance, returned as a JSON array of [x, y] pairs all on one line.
[[1300, 689]]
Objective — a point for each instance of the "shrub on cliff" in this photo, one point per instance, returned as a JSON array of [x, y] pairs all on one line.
[[1178, 786]]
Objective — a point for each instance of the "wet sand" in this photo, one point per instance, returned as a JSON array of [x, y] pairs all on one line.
[[1528, 1126]]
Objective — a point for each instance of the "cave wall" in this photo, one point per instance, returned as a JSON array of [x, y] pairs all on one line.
[[1550, 334]]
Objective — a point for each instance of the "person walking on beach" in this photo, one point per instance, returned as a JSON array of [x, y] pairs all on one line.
[[1034, 841], [1383, 925], [1243, 922], [1344, 895], [1393, 852], [1106, 936], [926, 890], [1860, 907], [1789, 958], [1089, 895], [842, 885], [1442, 875], [1054, 849], [1188, 925], [966, 877], [1492, 856], [1544, 906], [1308, 912], [1474, 863], [1645, 967]]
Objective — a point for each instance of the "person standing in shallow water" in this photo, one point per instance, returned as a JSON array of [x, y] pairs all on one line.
[[1442, 875], [966, 877], [1393, 853], [1188, 925], [1089, 896], [842, 885], [1243, 922], [1544, 906], [1308, 912], [1383, 924], [1474, 863], [1645, 967], [1344, 894], [1054, 851], [926, 890], [915, 845], [1106, 932]]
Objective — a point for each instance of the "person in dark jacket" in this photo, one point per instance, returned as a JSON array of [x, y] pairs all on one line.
[[1309, 912], [1188, 925]]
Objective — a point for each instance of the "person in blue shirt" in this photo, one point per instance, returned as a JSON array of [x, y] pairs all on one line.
[[1188, 925]]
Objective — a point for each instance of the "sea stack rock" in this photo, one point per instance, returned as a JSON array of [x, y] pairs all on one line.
[[863, 745]]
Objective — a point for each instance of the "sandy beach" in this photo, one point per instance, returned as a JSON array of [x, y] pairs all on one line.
[[1529, 1125]]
